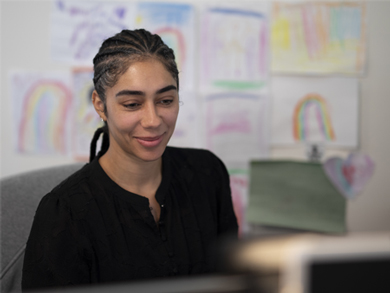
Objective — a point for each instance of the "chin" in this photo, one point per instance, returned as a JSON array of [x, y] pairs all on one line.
[[151, 156]]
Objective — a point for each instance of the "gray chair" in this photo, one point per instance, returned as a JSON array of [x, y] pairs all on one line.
[[20, 196]]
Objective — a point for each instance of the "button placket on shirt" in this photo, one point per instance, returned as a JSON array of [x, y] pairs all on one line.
[[161, 225]]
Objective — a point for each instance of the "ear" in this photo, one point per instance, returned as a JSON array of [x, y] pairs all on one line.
[[99, 105]]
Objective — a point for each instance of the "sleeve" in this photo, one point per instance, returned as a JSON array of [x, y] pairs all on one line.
[[226, 216], [54, 256]]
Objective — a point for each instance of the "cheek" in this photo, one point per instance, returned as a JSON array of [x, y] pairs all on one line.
[[129, 122], [122, 121], [171, 117]]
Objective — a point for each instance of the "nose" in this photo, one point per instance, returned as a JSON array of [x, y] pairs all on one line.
[[150, 118]]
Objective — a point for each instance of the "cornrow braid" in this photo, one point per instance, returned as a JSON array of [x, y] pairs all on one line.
[[113, 59], [131, 45]]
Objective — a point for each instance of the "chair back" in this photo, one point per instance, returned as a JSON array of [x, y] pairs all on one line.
[[20, 196]]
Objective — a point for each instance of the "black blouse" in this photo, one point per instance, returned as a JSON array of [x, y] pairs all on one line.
[[90, 230]]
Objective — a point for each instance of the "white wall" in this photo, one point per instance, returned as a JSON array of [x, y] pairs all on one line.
[[25, 45]]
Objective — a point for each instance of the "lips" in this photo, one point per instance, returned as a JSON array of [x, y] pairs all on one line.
[[150, 142]]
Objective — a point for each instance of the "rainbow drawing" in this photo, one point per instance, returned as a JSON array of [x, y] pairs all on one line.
[[300, 118], [174, 39], [42, 127]]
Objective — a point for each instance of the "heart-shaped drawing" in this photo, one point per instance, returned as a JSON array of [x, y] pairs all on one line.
[[349, 176]]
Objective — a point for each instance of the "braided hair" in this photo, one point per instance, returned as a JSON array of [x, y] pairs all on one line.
[[115, 56]]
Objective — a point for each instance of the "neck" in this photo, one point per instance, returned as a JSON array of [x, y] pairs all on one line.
[[132, 174]]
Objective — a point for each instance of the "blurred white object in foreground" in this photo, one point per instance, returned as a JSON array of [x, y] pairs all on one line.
[[313, 263]]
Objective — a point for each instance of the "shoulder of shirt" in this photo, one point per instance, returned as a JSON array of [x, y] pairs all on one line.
[[72, 185]]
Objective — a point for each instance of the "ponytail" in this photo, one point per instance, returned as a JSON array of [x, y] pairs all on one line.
[[105, 143]]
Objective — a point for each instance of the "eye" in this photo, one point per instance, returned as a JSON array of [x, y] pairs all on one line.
[[132, 106], [166, 102]]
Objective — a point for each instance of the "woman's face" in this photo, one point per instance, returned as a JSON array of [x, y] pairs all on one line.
[[142, 109]]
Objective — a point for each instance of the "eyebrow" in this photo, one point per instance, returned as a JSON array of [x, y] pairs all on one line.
[[167, 88], [140, 93]]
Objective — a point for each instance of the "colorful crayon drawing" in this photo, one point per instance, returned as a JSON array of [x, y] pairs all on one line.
[[85, 119], [239, 189], [79, 27], [234, 48], [315, 110], [350, 176], [174, 22], [42, 107], [301, 121], [187, 125], [235, 125], [174, 39], [324, 37]]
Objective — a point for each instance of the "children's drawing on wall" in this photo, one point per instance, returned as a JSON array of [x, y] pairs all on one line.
[[174, 22], [42, 103], [187, 132], [239, 189], [79, 27], [350, 176], [234, 48], [311, 119], [236, 125], [324, 37], [315, 110], [85, 119]]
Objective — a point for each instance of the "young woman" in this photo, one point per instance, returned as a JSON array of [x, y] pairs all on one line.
[[139, 209]]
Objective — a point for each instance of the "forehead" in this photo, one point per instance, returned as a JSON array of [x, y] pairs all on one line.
[[147, 77], [146, 71]]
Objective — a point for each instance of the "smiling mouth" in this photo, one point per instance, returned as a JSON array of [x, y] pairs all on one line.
[[150, 141]]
